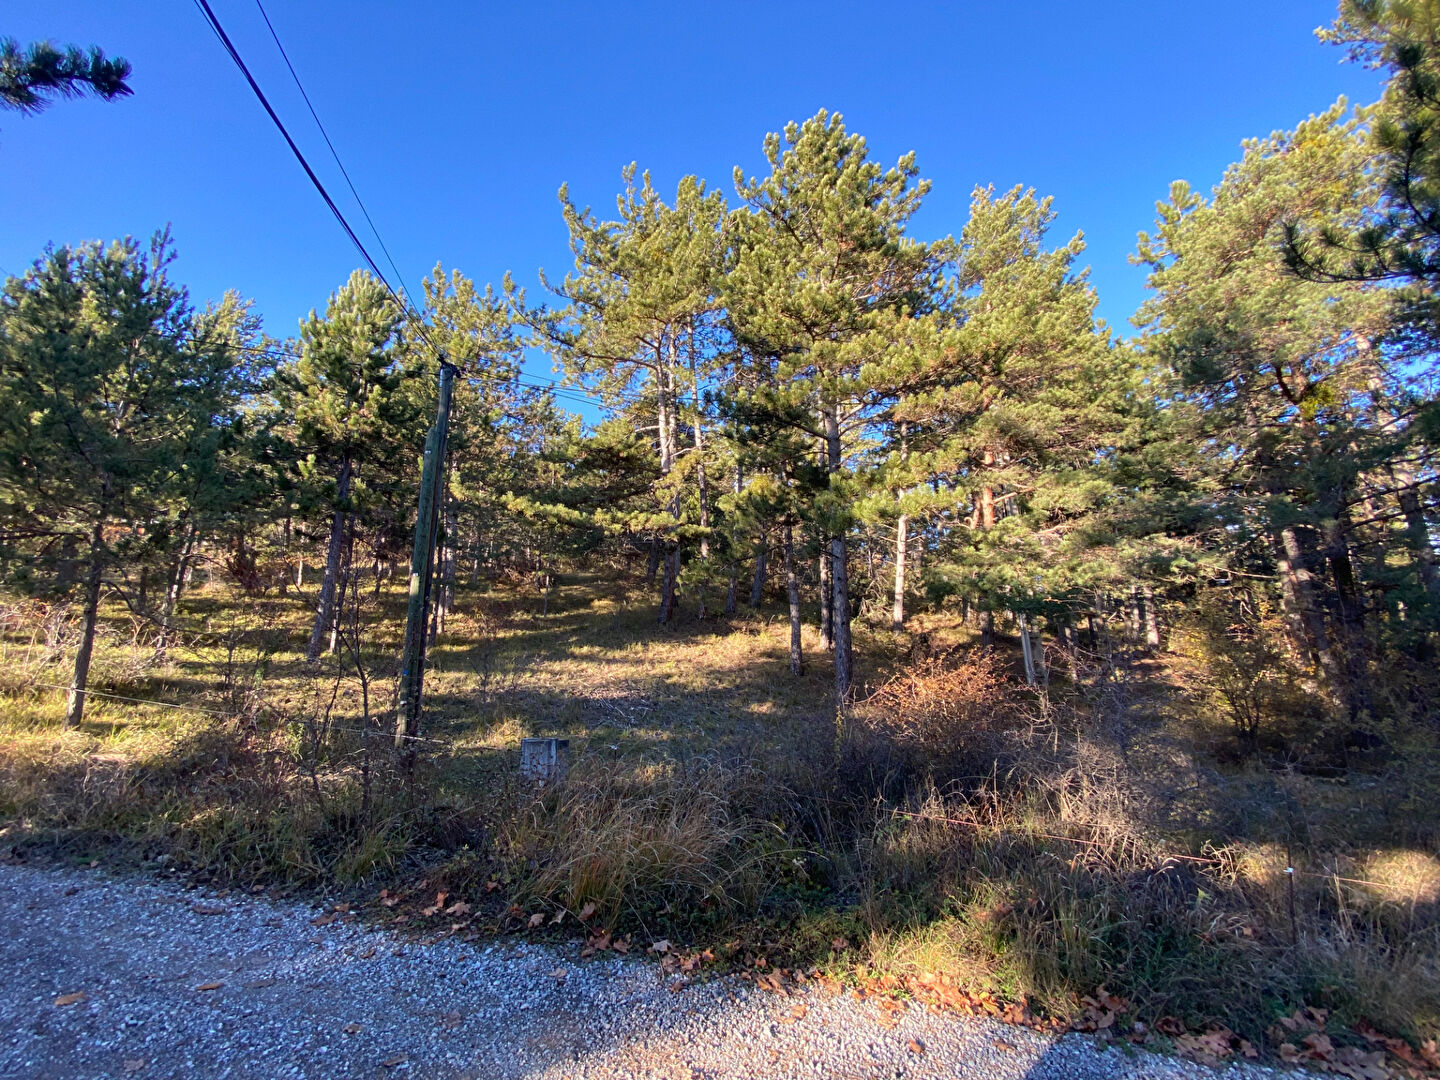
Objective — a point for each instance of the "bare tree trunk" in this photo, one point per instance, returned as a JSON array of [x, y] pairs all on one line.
[[1417, 532], [902, 537], [700, 484], [1152, 618], [75, 705], [653, 563], [757, 580], [1027, 653], [1298, 586], [325, 609], [173, 589], [827, 603], [792, 589], [987, 628], [839, 575]]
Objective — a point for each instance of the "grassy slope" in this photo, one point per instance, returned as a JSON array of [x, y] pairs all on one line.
[[715, 797]]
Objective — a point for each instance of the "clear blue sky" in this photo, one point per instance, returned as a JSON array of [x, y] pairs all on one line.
[[458, 121]]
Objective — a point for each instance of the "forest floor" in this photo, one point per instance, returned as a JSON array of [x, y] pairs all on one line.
[[1095, 856]]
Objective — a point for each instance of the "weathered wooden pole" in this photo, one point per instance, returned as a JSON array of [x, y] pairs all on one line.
[[422, 565]]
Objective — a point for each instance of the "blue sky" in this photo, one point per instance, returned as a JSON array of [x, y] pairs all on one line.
[[459, 121]]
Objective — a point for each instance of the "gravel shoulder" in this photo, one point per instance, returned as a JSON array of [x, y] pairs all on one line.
[[177, 984]]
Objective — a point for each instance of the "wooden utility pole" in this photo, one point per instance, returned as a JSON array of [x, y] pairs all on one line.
[[422, 564]]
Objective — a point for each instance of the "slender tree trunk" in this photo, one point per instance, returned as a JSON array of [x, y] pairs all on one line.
[[1152, 618], [1417, 532], [75, 705], [702, 488], [325, 608], [653, 563], [987, 628], [902, 537], [730, 592], [347, 571], [1027, 653], [173, 589], [839, 575], [792, 589], [757, 580], [827, 603]]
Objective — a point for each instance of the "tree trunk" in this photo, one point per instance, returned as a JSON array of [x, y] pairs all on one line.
[[1027, 650], [827, 603], [700, 484], [839, 575], [730, 592], [173, 589], [792, 589], [670, 591], [1152, 618], [75, 706], [757, 580], [325, 609], [987, 628], [1417, 532], [902, 537], [1298, 586], [653, 564]]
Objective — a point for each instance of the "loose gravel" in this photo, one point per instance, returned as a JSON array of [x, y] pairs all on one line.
[[178, 984]]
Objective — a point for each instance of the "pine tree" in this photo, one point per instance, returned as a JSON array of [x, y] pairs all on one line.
[[107, 400], [823, 284], [346, 394]]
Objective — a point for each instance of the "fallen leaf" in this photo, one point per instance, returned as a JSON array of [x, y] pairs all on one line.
[[367, 954], [325, 920], [491, 885], [353, 1029], [70, 999], [621, 945], [559, 973], [916, 1046], [538, 919], [460, 907], [662, 946], [391, 1062], [586, 911], [209, 986], [388, 898], [134, 1065], [207, 909], [839, 944], [559, 918]]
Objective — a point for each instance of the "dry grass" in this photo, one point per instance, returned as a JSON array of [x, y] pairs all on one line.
[[955, 823]]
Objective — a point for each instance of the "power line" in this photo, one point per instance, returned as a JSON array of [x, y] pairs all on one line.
[[214, 23], [333, 152]]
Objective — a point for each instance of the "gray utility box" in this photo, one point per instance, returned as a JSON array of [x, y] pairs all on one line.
[[544, 763]]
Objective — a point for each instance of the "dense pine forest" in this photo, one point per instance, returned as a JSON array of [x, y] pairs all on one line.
[[903, 616]]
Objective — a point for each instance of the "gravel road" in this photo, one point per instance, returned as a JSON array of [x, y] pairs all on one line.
[[178, 984]]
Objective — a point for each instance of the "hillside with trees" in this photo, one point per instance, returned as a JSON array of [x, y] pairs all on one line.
[[898, 611]]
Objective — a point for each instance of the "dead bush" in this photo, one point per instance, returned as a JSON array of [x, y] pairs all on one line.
[[937, 703]]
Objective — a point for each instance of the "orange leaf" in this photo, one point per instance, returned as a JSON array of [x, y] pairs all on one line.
[[916, 1046], [209, 986], [70, 999]]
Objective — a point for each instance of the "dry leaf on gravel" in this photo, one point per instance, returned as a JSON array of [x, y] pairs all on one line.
[[208, 909], [134, 1065], [209, 986], [662, 946], [70, 999], [916, 1046], [536, 920], [391, 1062], [586, 911], [353, 1029]]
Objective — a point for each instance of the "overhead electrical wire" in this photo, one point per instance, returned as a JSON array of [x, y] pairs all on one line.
[[333, 152], [229, 46], [403, 301]]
